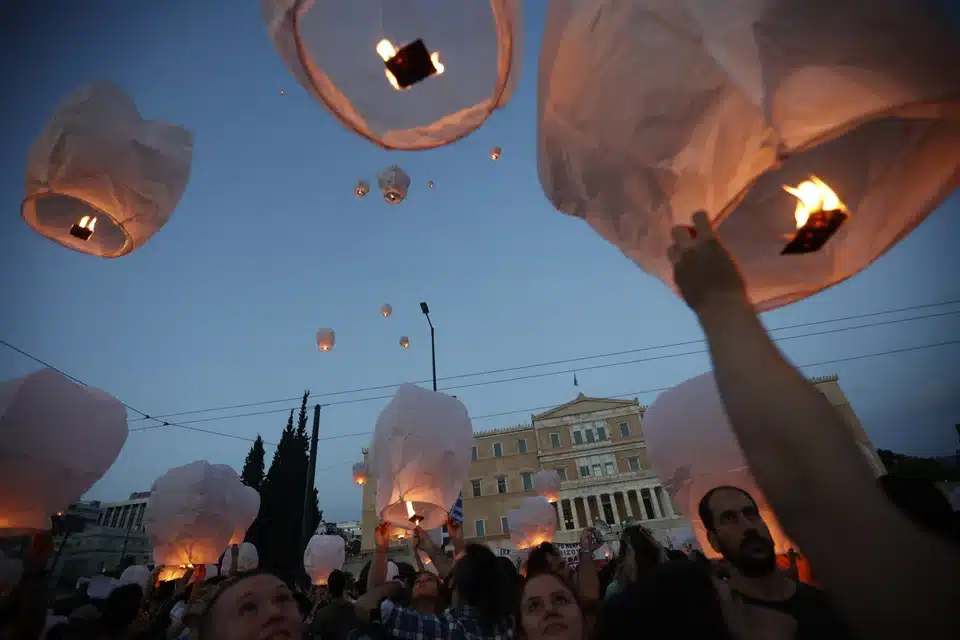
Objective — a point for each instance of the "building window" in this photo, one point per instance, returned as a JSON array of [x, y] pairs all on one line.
[[504, 525], [562, 472], [597, 470], [624, 430], [501, 484], [479, 525], [647, 503], [590, 437], [497, 450], [555, 440], [566, 507], [601, 433], [474, 454], [634, 463], [577, 437], [607, 509], [476, 488], [584, 471], [521, 446], [527, 480], [609, 469]]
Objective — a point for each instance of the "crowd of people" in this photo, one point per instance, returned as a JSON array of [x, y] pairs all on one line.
[[884, 554]]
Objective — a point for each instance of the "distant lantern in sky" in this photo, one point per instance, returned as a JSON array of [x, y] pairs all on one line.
[[393, 183], [100, 179], [361, 473], [386, 310], [325, 339], [362, 188], [404, 342], [836, 128], [495, 153], [399, 75], [430, 184], [282, 91]]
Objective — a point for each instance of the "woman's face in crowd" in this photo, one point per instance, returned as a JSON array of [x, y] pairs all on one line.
[[549, 609], [425, 586], [260, 607]]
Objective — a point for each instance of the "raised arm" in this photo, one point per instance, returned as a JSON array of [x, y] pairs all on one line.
[[892, 579]]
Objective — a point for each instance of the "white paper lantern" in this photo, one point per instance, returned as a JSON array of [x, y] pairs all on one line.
[[325, 339], [361, 473], [168, 574], [457, 63], [386, 310], [57, 438], [362, 188], [532, 523], [101, 180], [393, 183], [136, 574], [247, 507], [404, 342], [324, 555], [422, 441], [248, 558], [189, 517], [546, 482], [728, 104], [495, 153]]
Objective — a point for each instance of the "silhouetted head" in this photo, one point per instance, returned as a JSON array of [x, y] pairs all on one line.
[[735, 529]]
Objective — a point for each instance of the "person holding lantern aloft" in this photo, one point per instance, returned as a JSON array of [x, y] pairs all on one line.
[[809, 465]]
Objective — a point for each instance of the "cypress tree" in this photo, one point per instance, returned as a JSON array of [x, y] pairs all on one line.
[[253, 466]]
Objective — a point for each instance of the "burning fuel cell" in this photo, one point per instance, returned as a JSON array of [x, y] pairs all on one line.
[[819, 214], [408, 65], [84, 228]]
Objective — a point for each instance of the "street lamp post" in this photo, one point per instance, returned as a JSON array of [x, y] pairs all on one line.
[[433, 342]]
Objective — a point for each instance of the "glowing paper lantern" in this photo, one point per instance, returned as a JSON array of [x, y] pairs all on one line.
[[495, 153], [360, 473], [246, 508], [728, 105], [248, 558], [189, 517], [393, 183], [170, 573], [58, 439], [430, 184], [325, 339], [404, 342], [324, 554], [422, 441], [362, 188], [386, 310], [402, 76], [692, 446], [101, 180], [546, 482], [532, 523]]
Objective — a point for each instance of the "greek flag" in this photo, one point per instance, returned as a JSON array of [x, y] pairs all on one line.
[[456, 513]]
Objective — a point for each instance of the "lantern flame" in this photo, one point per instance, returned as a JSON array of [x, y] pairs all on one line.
[[410, 510], [813, 196], [88, 223], [386, 51], [361, 481]]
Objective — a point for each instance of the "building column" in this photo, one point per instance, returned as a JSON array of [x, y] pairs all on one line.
[[576, 516], [667, 506], [657, 514]]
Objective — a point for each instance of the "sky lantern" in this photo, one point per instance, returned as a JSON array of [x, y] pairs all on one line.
[[361, 473], [246, 502], [137, 574], [58, 439], [386, 310], [815, 135], [546, 483], [495, 153], [248, 558], [533, 522], [400, 75], [693, 449], [362, 188], [422, 441], [325, 339], [430, 184], [188, 517], [100, 179], [393, 183], [324, 555], [404, 342]]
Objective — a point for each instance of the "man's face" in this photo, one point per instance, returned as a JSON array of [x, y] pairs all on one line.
[[740, 535]]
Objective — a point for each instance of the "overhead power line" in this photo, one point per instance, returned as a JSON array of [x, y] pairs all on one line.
[[523, 367]]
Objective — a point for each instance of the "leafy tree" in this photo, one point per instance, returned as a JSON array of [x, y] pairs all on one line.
[[253, 466]]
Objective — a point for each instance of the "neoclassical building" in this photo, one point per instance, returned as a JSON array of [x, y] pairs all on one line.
[[597, 447]]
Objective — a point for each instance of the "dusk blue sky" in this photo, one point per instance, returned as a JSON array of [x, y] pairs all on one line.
[[269, 243]]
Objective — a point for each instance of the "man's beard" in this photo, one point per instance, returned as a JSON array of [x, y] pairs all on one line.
[[749, 562]]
